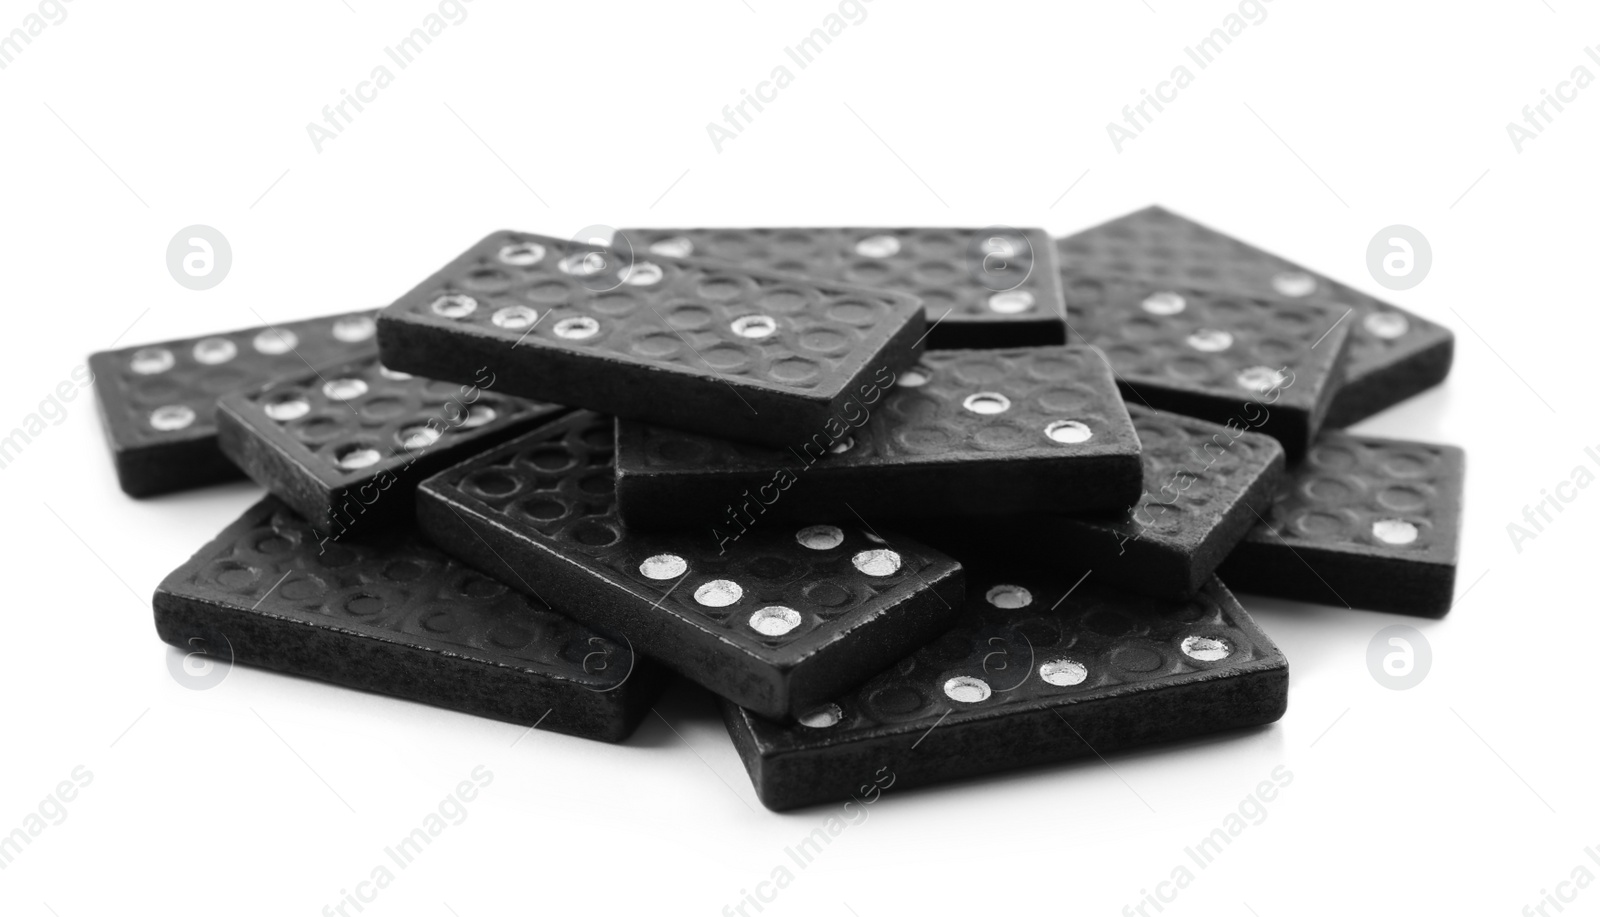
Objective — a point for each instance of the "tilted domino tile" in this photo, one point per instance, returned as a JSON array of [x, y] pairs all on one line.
[[1394, 354], [345, 445], [785, 618], [1035, 671], [1267, 363], [700, 346], [1364, 522], [992, 287], [392, 615], [157, 400], [965, 432], [1205, 486]]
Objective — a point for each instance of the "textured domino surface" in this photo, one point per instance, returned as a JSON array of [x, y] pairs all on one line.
[[782, 619], [1267, 363], [695, 345], [345, 446], [1394, 354], [397, 617], [1362, 522], [1029, 674], [965, 432], [992, 287], [1205, 487], [157, 401]]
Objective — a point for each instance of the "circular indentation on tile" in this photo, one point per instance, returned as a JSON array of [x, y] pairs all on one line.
[[344, 389], [275, 341], [417, 436], [881, 246], [170, 417], [550, 292], [912, 378], [1402, 498], [718, 593], [1164, 302], [722, 289], [549, 458], [663, 566], [1329, 490], [1316, 524], [826, 594], [897, 700], [543, 509], [986, 403], [855, 312], [514, 318], [353, 329], [1386, 325], [302, 588], [522, 254], [965, 689], [774, 620], [491, 482], [1209, 340], [1136, 659], [642, 274], [147, 361], [820, 537], [1011, 302], [754, 327], [727, 358], [673, 247], [1068, 431], [1063, 673], [824, 340], [583, 264], [212, 351], [822, 717], [1260, 379], [363, 605], [286, 407], [795, 370], [1008, 596], [594, 534], [356, 456], [454, 305], [1394, 531], [478, 415], [877, 562], [1206, 649], [577, 328], [842, 446], [1294, 284]]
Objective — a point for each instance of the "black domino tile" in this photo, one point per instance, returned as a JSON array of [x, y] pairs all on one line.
[[1363, 522], [982, 287], [1205, 487], [345, 445], [964, 432], [1228, 358], [1030, 674], [778, 620], [1394, 354], [392, 615], [158, 401], [696, 345]]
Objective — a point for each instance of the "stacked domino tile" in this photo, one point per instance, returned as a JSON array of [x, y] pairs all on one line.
[[917, 504]]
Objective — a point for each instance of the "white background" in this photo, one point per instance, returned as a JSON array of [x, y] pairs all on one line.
[[1315, 128]]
